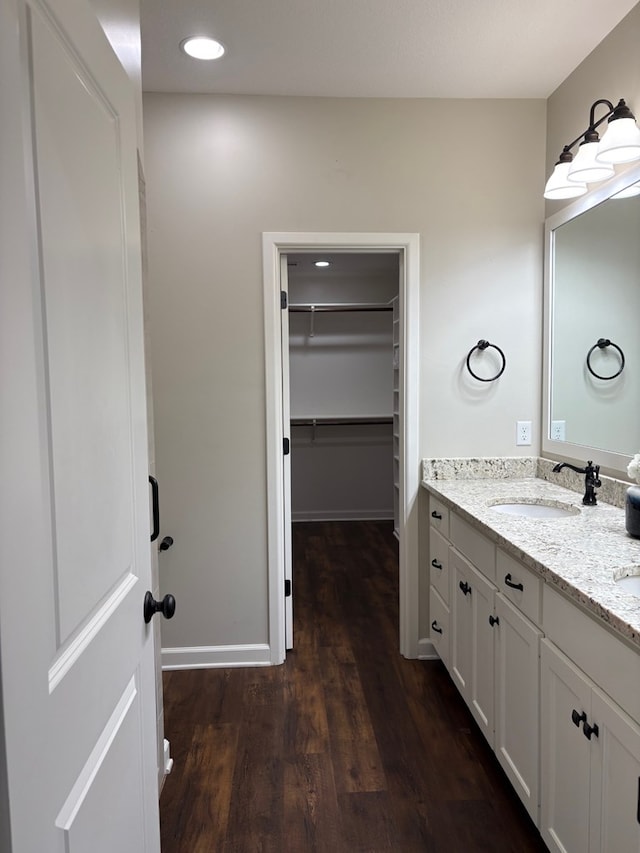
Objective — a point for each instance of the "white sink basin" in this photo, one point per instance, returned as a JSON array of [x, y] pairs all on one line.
[[536, 509], [630, 583]]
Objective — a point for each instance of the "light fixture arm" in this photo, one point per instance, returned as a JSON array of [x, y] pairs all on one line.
[[593, 123]]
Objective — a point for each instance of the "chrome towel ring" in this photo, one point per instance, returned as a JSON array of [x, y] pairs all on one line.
[[603, 343], [483, 345]]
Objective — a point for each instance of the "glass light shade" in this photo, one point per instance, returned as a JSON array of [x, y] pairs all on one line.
[[628, 192], [559, 185], [202, 47], [586, 169], [620, 143]]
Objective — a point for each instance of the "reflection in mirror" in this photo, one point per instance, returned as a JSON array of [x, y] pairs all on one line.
[[596, 295]]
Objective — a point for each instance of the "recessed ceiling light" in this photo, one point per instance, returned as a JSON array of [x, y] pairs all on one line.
[[202, 47], [322, 263]]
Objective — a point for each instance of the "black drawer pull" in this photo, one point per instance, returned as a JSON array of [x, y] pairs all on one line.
[[577, 718], [494, 620], [509, 582], [436, 564], [437, 515], [464, 586], [434, 627]]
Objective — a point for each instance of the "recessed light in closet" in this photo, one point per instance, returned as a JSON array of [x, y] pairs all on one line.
[[322, 263], [202, 47]]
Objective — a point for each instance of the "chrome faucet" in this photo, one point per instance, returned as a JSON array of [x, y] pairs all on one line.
[[591, 479]]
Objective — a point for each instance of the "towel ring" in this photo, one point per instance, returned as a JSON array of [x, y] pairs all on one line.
[[482, 345], [603, 343]]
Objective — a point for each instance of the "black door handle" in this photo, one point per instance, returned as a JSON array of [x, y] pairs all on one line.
[[464, 586], [437, 515], [435, 627], [436, 564], [167, 607], [155, 504], [493, 620], [588, 730], [166, 543]]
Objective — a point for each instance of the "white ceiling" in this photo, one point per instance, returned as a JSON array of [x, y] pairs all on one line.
[[375, 48]]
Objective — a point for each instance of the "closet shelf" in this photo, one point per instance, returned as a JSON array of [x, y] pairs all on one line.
[[322, 421], [327, 307]]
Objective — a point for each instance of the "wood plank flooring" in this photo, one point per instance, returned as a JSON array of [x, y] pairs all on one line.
[[346, 747]]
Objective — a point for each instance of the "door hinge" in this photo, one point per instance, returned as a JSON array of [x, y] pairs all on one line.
[[283, 299], [287, 589], [285, 446]]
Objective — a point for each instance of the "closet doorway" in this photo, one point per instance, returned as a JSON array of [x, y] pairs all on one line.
[[341, 355]]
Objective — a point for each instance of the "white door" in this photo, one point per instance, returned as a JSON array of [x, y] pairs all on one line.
[[286, 431], [565, 753], [76, 655]]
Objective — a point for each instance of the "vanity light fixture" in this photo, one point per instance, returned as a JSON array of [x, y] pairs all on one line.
[[595, 157], [202, 47]]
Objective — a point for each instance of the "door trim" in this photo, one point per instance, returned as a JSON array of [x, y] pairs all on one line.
[[408, 246]]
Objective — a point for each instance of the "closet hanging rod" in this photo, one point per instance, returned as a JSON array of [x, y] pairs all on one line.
[[340, 421], [339, 306]]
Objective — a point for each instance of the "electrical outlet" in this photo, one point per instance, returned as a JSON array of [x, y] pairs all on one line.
[[523, 432], [558, 430]]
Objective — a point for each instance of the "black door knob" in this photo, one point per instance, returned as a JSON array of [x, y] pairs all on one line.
[[167, 607]]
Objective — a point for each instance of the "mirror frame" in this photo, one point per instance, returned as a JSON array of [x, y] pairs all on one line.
[[614, 463]]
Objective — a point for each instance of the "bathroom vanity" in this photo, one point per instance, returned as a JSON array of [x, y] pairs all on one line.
[[531, 613]]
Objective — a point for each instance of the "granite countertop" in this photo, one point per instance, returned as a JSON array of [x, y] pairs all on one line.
[[580, 555]]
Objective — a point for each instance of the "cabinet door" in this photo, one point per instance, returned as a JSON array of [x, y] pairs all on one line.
[[615, 779], [517, 715], [461, 623], [482, 698], [565, 753], [472, 599]]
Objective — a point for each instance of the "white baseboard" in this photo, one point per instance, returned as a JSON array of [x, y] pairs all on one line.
[[343, 515], [213, 657], [426, 650]]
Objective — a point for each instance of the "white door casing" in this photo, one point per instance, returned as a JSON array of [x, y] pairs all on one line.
[[77, 660], [274, 244], [286, 458]]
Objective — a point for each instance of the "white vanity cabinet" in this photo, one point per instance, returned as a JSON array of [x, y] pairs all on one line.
[[472, 639], [490, 609], [439, 582], [590, 745], [517, 685]]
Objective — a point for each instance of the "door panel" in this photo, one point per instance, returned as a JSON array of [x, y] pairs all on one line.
[[286, 427], [82, 258], [77, 664]]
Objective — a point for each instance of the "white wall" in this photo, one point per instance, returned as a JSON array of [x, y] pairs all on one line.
[[466, 175]]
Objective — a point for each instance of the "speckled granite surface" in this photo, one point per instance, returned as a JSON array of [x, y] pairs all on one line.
[[580, 554]]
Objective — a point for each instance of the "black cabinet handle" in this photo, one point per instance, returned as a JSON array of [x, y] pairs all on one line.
[[437, 515], [464, 586], [577, 718], [638, 814], [155, 504], [509, 582], [494, 620], [434, 627], [590, 730], [436, 564]]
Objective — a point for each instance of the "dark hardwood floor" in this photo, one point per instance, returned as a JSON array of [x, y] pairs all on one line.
[[347, 746]]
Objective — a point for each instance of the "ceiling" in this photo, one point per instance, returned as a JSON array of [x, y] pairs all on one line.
[[375, 48]]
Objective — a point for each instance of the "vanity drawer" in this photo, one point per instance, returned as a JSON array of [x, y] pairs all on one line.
[[438, 516], [439, 628], [607, 660], [510, 576], [439, 563], [476, 548]]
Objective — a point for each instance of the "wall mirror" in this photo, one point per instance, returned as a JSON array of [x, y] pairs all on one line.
[[591, 394]]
